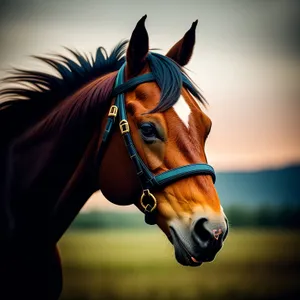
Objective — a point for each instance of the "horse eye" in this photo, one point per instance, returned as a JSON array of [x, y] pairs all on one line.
[[148, 132]]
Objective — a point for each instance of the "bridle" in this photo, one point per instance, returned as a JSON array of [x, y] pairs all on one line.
[[149, 182]]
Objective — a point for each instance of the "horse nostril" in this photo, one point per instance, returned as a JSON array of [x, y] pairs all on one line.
[[201, 231]]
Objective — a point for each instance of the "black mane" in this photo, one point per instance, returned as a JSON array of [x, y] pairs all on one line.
[[37, 92]]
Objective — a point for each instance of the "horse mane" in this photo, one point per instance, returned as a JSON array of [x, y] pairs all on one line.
[[37, 93]]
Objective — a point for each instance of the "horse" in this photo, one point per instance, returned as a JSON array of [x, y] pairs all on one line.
[[60, 143]]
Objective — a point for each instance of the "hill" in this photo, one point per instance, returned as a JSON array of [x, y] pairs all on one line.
[[279, 187]]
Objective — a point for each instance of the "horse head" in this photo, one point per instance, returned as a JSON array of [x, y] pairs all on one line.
[[163, 158]]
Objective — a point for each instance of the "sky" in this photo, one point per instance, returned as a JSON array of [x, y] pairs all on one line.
[[246, 61]]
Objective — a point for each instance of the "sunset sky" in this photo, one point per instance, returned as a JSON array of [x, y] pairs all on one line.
[[246, 61]]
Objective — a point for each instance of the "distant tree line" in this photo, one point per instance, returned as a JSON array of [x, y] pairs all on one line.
[[263, 216]]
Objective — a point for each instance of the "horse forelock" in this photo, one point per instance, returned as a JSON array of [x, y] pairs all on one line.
[[168, 75]]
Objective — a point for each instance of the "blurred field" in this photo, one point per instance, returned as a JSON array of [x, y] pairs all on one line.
[[129, 264]]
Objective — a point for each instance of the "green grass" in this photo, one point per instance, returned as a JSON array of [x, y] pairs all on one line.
[[128, 264]]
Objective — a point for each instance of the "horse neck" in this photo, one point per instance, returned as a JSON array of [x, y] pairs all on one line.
[[77, 189], [53, 176]]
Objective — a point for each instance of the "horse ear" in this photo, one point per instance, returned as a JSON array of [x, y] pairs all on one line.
[[182, 51], [138, 48]]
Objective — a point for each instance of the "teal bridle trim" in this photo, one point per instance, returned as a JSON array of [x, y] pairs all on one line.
[[148, 180]]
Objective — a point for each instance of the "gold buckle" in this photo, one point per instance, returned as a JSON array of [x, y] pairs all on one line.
[[124, 126], [113, 111], [148, 207]]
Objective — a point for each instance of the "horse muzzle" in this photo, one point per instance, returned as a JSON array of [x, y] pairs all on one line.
[[200, 241]]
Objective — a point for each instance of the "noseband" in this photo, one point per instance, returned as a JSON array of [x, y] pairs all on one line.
[[149, 182]]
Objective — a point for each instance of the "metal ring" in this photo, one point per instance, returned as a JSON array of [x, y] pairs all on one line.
[[147, 207]]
